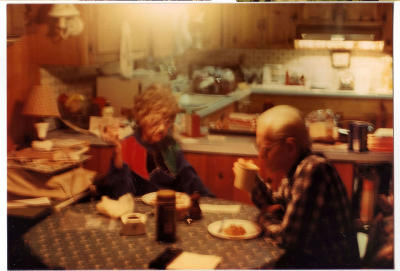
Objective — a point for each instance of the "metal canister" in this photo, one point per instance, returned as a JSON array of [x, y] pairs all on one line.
[[165, 216], [351, 136], [358, 136], [363, 136]]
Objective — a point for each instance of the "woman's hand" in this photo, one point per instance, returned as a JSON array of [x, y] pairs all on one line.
[[110, 135]]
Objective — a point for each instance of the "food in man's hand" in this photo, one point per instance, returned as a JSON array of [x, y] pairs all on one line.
[[234, 230]]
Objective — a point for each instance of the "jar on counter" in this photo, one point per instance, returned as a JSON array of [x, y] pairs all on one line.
[[165, 216]]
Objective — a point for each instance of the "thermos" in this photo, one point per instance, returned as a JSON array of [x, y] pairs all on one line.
[[358, 136], [165, 216]]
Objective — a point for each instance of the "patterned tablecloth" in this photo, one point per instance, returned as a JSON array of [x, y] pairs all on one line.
[[80, 238]]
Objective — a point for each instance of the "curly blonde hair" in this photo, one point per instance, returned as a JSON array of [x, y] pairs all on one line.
[[156, 102]]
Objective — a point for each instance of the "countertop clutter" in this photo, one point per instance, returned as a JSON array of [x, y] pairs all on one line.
[[245, 145]]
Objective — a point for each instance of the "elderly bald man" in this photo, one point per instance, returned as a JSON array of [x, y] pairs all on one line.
[[315, 226]]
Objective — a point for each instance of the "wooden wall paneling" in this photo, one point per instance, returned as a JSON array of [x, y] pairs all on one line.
[[22, 75]]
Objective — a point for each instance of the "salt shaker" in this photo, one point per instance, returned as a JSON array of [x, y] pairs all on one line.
[[165, 216]]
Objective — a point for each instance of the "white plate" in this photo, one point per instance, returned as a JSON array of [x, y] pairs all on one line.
[[251, 228], [182, 199]]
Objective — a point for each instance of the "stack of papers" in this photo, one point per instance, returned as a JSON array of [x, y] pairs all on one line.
[[381, 140], [20, 203], [194, 261]]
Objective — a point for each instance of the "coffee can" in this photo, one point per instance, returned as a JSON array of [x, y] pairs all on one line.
[[165, 216]]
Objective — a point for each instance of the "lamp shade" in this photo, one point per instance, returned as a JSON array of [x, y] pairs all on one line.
[[41, 102], [63, 10]]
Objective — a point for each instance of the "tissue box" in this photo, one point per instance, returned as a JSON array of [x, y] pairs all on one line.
[[133, 224]]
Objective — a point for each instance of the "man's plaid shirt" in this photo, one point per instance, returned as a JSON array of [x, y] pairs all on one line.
[[317, 216]]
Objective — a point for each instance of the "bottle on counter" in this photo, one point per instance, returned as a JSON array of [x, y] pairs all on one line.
[[165, 216]]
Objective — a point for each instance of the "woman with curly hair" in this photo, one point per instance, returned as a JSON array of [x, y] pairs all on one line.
[[158, 160]]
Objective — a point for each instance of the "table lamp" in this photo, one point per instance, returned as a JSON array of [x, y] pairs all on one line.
[[41, 103]]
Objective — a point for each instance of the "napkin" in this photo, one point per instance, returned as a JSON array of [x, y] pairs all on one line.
[[189, 260], [116, 208], [218, 208]]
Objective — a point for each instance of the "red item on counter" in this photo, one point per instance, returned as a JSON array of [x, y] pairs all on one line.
[[192, 125]]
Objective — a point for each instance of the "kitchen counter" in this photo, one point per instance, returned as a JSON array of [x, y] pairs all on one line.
[[242, 145], [286, 90], [223, 102], [245, 146], [304, 91]]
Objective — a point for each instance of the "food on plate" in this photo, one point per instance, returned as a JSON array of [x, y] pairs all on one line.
[[234, 230]]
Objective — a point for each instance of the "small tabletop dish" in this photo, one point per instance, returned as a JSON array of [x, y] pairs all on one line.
[[235, 229]]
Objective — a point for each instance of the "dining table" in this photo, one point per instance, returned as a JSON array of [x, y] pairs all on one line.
[[79, 237]]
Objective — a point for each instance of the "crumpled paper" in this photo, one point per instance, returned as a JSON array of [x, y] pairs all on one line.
[[116, 208]]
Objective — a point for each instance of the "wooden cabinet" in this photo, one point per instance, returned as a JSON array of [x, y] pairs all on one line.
[[216, 172], [259, 26], [154, 28], [346, 173], [243, 26], [386, 13], [105, 27], [100, 158], [340, 13], [205, 25]]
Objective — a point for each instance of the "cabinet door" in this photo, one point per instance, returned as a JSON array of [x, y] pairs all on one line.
[[365, 12], [346, 173], [385, 12], [105, 24], [279, 30], [100, 158], [216, 172], [206, 20], [316, 12], [243, 26], [163, 22]]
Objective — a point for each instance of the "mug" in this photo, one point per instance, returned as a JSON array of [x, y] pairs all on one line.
[[245, 174]]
